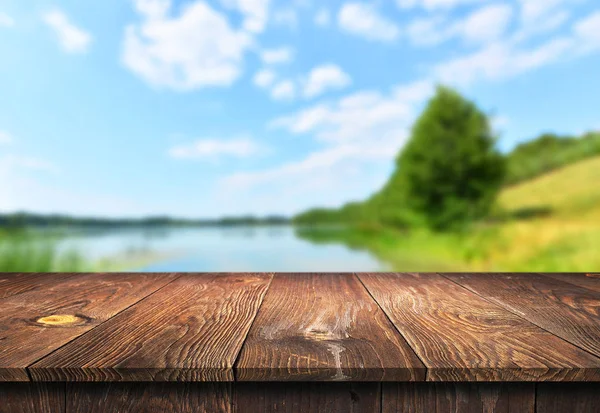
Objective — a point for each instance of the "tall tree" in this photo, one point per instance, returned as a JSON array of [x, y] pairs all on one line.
[[449, 173]]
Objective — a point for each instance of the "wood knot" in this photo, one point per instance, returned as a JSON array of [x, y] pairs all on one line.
[[60, 320]]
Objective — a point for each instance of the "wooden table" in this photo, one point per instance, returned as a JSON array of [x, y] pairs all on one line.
[[262, 342]]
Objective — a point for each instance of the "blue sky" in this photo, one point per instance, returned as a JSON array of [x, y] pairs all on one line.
[[221, 107]]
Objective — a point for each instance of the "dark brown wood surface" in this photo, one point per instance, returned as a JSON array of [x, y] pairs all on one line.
[[307, 397], [37, 322], [148, 398], [18, 283], [191, 330], [324, 327], [568, 397], [564, 309], [32, 397], [590, 281], [463, 337], [458, 398]]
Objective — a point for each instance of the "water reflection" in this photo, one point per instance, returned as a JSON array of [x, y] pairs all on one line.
[[217, 249]]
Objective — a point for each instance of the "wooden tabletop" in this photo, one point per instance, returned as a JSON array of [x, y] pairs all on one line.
[[299, 327]]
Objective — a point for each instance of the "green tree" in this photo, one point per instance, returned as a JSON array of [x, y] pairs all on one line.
[[449, 173]]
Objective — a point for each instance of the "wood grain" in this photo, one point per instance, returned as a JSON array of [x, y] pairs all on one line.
[[37, 322], [18, 283], [562, 308], [148, 397], [458, 397], [191, 330], [32, 397], [568, 397], [462, 337], [307, 397], [590, 281], [324, 327]]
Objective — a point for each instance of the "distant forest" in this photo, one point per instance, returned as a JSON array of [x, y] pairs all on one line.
[[25, 219]]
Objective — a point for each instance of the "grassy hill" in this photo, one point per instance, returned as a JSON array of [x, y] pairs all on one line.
[[549, 223], [566, 236]]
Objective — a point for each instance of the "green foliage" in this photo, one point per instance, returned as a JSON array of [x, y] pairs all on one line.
[[449, 172], [549, 152], [20, 252]]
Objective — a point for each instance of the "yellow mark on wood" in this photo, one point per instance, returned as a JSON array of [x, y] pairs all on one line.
[[59, 319], [593, 275]]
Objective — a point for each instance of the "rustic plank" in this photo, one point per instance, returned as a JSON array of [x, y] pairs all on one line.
[[18, 283], [37, 322], [191, 330], [562, 308], [324, 327], [458, 397], [307, 397], [462, 337], [32, 397], [568, 397], [149, 397], [590, 281]]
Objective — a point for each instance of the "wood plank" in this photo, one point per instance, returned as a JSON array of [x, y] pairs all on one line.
[[18, 283], [462, 337], [564, 309], [32, 397], [149, 397], [458, 397], [191, 330], [35, 323], [307, 397], [568, 397], [324, 327], [590, 281]]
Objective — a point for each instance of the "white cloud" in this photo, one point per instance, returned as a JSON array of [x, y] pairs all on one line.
[[72, 39], [6, 20], [366, 116], [215, 148], [324, 77], [540, 16], [286, 17], [322, 18], [364, 20], [5, 138], [264, 78], [196, 49], [279, 55], [284, 90], [483, 25], [435, 4], [360, 134], [504, 59], [255, 13], [488, 23], [587, 33], [500, 61]]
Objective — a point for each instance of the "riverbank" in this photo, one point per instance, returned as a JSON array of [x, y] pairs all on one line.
[[551, 223]]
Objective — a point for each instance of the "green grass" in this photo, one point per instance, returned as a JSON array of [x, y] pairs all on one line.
[[22, 252], [550, 223]]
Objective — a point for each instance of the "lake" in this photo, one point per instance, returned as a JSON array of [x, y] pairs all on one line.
[[275, 248]]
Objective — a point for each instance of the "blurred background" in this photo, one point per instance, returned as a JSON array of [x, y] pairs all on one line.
[[297, 135]]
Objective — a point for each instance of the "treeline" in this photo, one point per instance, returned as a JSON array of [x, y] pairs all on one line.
[[549, 152], [24, 219], [450, 171]]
